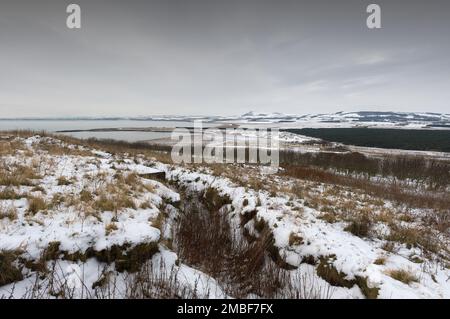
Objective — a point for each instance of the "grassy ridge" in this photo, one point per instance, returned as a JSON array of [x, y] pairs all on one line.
[[421, 140]]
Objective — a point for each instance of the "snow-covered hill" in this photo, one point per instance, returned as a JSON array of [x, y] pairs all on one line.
[[338, 119], [361, 118], [344, 119]]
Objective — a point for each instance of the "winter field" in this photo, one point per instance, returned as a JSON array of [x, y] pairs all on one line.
[[104, 219]]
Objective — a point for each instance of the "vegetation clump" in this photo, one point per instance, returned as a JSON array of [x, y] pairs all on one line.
[[9, 194], [36, 204], [402, 275], [214, 200], [360, 226], [9, 273], [330, 274], [17, 176], [127, 258], [9, 213], [63, 181]]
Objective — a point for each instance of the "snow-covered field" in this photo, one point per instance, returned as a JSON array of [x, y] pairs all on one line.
[[83, 223]]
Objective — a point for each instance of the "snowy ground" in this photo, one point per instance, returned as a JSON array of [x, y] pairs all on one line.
[[87, 213]]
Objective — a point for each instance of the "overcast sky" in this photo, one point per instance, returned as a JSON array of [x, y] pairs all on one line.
[[222, 57]]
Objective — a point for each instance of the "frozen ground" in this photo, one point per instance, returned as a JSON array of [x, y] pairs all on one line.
[[90, 215]]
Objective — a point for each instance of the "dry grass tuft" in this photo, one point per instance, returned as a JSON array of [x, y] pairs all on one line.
[[63, 181], [404, 276], [9, 194], [415, 237], [36, 204], [158, 222], [295, 240], [329, 273], [10, 213], [17, 175], [360, 226], [109, 228], [380, 261], [8, 271], [145, 205], [214, 200], [114, 202], [86, 196]]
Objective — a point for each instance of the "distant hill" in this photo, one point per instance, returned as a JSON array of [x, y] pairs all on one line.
[[338, 119], [361, 118]]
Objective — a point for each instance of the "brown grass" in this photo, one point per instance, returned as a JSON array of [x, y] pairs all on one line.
[[10, 147], [63, 181], [59, 150], [158, 222], [214, 200], [145, 205], [402, 195], [9, 194], [114, 202], [360, 226], [9, 273], [36, 204], [17, 175], [295, 239], [329, 217], [380, 260], [415, 237], [204, 239], [329, 273], [8, 212], [109, 228], [404, 276], [86, 196]]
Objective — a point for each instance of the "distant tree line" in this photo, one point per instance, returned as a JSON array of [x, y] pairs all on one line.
[[407, 139]]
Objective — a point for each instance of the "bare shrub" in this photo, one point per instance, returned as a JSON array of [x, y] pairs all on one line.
[[155, 281], [205, 239]]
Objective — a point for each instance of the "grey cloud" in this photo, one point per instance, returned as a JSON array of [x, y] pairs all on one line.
[[222, 57]]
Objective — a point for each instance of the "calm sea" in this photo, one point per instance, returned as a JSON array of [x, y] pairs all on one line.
[[57, 125]]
